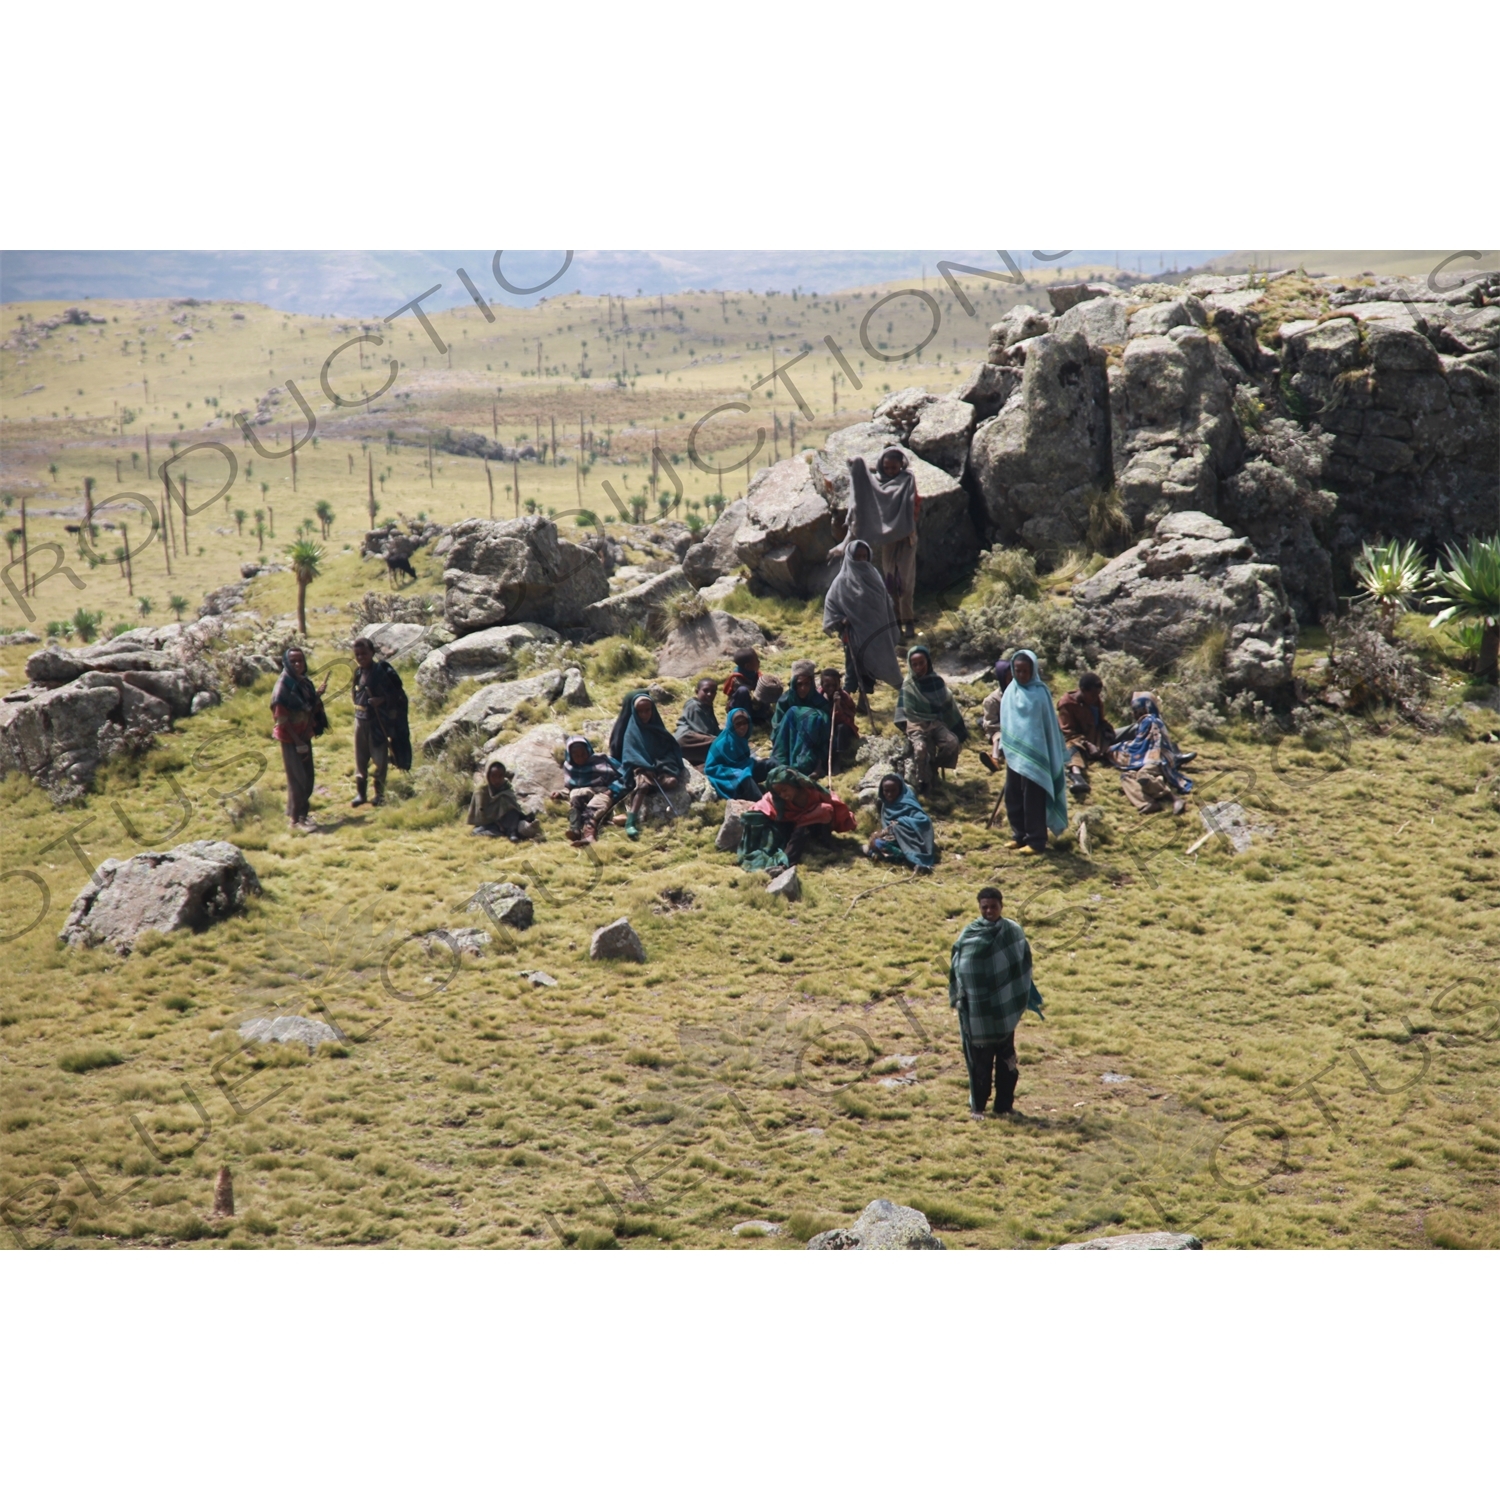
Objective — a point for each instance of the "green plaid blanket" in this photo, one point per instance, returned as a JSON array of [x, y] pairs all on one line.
[[989, 979]]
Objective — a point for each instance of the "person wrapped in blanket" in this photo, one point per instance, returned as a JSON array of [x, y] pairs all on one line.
[[1036, 797], [595, 781], [928, 716], [731, 768], [990, 985], [905, 830], [651, 758], [845, 725], [748, 687], [1087, 734], [776, 831], [698, 728], [993, 758], [495, 810], [1149, 763], [800, 724]]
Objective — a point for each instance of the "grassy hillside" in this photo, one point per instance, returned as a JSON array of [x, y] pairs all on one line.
[[1306, 1032]]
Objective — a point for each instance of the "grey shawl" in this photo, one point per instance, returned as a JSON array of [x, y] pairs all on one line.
[[881, 510], [858, 594]]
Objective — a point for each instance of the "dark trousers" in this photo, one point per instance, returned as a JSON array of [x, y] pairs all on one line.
[[299, 780], [368, 747], [997, 1062], [1026, 807]]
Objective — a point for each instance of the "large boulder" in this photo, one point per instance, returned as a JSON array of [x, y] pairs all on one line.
[[487, 710], [882, 1226], [1172, 422], [192, 886], [485, 656], [534, 761], [698, 645], [403, 641], [499, 572], [1160, 599], [58, 736], [788, 530], [1103, 321], [714, 556], [947, 543], [935, 428], [1039, 461], [641, 606]]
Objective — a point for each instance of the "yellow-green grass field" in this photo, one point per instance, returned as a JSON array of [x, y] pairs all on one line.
[[1307, 1032]]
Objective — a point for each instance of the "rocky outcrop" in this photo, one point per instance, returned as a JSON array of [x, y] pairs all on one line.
[[1192, 575], [882, 1226], [485, 656], [404, 641], [394, 542], [641, 606], [947, 542], [1039, 461], [192, 886], [83, 707], [788, 530], [714, 556], [935, 428], [500, 572], [699, 645], [502, 901], [487, 711]]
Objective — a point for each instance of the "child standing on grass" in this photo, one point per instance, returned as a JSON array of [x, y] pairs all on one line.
[[298, 717]]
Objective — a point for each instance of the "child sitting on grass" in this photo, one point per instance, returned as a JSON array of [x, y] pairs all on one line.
[[496, 811]]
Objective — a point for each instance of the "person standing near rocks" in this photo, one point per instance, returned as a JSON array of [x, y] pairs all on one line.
[[298, 718], [381, 731], [883, 510], [1036, 796], [990, 986], [858, 609]]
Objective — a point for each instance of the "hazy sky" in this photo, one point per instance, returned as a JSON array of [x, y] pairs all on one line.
[[370, 282]]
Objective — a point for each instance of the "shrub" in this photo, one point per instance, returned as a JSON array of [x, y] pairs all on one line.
[[1370, 670], [684, 607], [89, 1058]]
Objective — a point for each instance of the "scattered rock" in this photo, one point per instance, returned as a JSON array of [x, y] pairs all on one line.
[[193, 885], [540, 978], [756, 1227], [500, 572], [202, 701], [575, 691], [717, 592], [503, 902], [882, 1226], [618, 940], [1159, 598], [20, 638], [289, 1030], [1064, 297], [640, 606], [482, 656], [402, 640], [698, 645], [728, 838], [1240, 827], [787, 884], [459, 940], [1156, 1239], [1114, 1078], [489, 708]]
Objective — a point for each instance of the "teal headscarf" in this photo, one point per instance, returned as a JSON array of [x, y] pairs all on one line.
[[729, 762], [1032, 741], [907, 827]]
